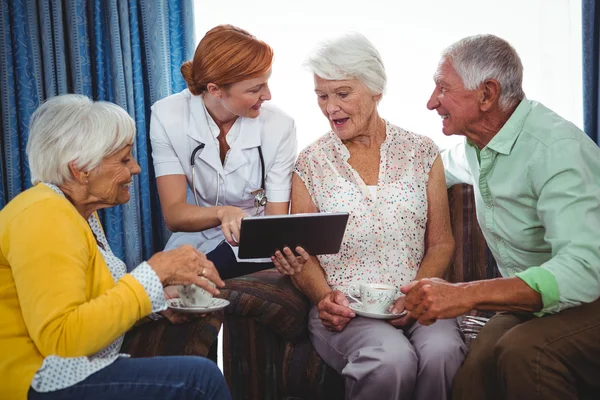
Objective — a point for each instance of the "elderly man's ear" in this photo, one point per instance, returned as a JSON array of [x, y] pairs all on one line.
[[490, 92], [78, 175]]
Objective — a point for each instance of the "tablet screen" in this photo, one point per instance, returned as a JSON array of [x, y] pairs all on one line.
[[318, 233]]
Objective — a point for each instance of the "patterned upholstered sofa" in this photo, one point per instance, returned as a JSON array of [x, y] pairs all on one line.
[[267, 352], [161, 338]]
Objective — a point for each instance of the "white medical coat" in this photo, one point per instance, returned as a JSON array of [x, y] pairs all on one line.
[[180, 122]]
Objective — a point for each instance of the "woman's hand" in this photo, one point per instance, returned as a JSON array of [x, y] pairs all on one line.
[[289, 264], [405, 321], [334, 311], [231, 223], [186, 265]]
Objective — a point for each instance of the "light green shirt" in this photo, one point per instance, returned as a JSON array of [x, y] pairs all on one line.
[[537, 195]]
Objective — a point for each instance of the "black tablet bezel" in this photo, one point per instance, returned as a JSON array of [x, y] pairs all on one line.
[[317, 233]]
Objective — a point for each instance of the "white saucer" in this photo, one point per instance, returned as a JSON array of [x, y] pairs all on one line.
[[215, 305], [357, 308]]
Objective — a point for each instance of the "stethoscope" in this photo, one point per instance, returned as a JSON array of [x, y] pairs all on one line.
[[260, 198]]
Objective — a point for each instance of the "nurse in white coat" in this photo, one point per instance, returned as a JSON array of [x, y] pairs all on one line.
[[234, 153]]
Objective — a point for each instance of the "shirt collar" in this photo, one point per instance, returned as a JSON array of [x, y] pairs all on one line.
[[504, 140], [58, 191], [203, 128], [246, 135], [55, 188]]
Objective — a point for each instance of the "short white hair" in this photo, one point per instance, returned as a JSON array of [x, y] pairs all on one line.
[[351, 56], [481, 57], [72, 127]]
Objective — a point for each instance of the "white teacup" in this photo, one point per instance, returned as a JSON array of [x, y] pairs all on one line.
[[375, 297], [194, 296]]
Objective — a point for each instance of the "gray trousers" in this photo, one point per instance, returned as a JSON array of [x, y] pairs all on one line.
[[379, 361]]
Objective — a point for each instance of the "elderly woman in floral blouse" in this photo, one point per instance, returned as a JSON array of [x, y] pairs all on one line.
[[391, 181]]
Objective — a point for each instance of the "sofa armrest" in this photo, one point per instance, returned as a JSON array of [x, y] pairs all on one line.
[[162, 338], [272, 300], [266, 348], [472, 258]]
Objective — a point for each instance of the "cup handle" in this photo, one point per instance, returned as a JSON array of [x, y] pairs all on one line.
[[350, 289]]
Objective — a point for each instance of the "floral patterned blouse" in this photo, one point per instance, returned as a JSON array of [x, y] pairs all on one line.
[[385, 236]]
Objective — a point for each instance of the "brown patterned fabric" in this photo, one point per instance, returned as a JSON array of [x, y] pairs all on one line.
[[161, 338], [271, 300], [267, 353], [472, 259]]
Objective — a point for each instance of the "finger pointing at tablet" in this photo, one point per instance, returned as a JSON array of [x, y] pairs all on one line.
[[231, 219]]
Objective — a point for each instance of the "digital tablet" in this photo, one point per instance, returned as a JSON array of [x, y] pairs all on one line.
[[318, 233]]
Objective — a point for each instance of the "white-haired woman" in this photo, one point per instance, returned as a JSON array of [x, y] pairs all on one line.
[[392, 183], [65, 299]]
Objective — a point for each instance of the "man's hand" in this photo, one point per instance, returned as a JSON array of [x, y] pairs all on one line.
[[431, 299], [334, 312], [405, 321]]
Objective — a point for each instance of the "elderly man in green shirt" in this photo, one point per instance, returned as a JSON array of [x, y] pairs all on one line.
[[536, 179]]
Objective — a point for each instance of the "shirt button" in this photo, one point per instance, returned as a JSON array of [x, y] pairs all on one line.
[[489, 205]]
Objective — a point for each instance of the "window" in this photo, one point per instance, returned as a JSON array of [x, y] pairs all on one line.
[[410, 36]]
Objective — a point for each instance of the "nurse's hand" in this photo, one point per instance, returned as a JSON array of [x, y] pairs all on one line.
[[289, 264], [231, 222]]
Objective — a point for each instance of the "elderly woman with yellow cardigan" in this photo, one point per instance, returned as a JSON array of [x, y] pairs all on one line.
[[65, 299]]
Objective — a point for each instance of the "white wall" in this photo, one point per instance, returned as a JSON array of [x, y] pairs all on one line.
[[410, 34]]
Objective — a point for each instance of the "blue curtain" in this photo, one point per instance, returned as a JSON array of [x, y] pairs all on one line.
[[591, 68], [124, 51]]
